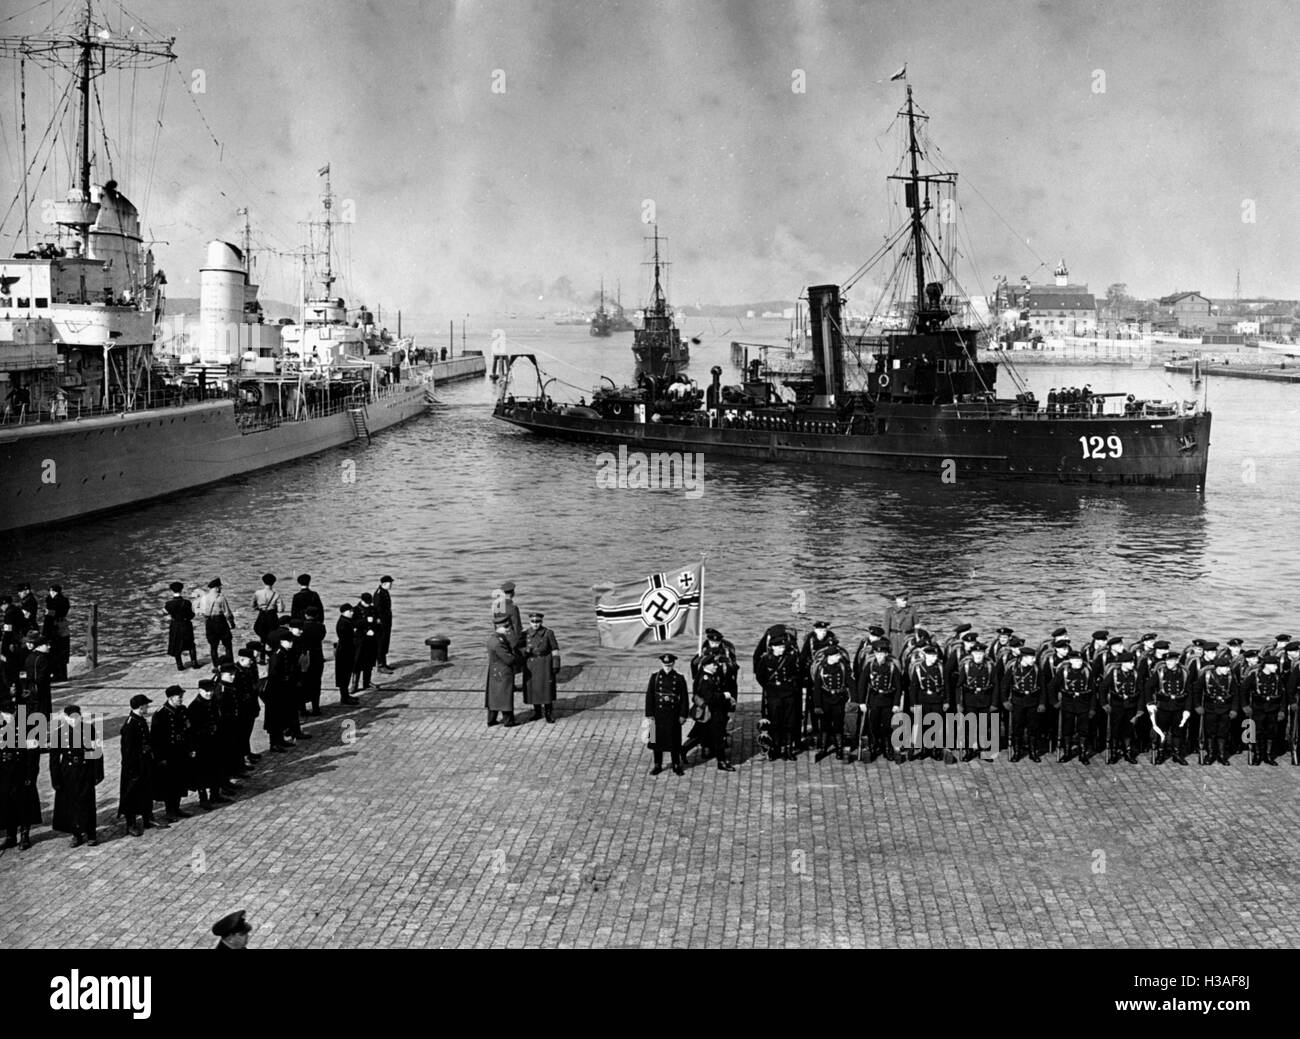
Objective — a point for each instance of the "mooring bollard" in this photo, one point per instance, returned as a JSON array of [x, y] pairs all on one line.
[[437, 647]]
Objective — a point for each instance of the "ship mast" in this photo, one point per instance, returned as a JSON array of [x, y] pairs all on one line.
[[657, 301], [328, 279], [83, 158], [96, 53], [914, 203]]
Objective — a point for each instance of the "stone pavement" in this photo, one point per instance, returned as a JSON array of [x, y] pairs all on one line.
[[407, 823]]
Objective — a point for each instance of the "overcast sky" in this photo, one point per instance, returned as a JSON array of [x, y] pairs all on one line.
[[470, 200]]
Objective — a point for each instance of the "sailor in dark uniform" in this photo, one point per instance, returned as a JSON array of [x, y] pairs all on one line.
[[832, 684], [977, 700], [666, 703], [305, 597], [1073, 695], [246, 680], [136, 789], [778, 672], [56, 630], [952, 664], [76, 768], [1218, 702], [169, 739], [1024, 696], [20, 803], [205, 734], [1264, 703], [928, 689], [233, 930], [815, 645], [180, 627], [880, 689], [711, 706], [1167, 696], [345, 655], [1121, 702], [384, 610], [721, 652]]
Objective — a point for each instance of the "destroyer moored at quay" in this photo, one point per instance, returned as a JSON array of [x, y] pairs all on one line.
[[94, 422], [915, 399]]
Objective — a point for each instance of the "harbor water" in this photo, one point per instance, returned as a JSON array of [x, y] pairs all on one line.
[[454, 503]]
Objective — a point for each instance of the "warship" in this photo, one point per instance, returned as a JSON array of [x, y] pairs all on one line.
[[600, 321], [618, 319], [90, 423], [913, 399], [657, 345]]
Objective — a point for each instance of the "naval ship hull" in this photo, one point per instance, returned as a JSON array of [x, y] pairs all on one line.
[[66, 471], [1165, 452]]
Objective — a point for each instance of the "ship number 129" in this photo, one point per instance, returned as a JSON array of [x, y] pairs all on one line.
[[1097, 447]]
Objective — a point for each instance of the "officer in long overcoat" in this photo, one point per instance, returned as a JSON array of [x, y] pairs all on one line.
[[76, 768], [541, 661], [500, 698], [169, 737], [666, 703], [20, 804], [136, 790]]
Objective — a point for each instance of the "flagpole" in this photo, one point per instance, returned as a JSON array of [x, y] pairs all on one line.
[[699, 632]]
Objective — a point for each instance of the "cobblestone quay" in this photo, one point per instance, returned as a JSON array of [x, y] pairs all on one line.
[[406, 822]]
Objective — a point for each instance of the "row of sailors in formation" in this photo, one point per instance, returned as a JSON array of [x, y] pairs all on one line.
[[1105, 695]]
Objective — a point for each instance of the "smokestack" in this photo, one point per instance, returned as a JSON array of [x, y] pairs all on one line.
[[827, 341], [715, 389]]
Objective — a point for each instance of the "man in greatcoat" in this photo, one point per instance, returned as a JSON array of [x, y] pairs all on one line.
[[169, 737], [57, 631], [36, 692], [345, 654], [900, 623], [20, 804], [76, 768], [180, 627], [313, 638], [281, 713], [136, 790], [365, 635], [780, 675], [541, 662], [384, 610], [205, 730], [246, 679], [666, 703], [501, 673]]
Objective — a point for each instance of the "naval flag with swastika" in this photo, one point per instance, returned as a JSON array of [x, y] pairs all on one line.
[[655, 608]]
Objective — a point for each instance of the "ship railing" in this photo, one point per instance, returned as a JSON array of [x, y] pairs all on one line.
[[54, 410]]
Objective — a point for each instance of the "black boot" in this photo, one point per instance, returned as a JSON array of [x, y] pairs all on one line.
[[1178, 750], [1222, 755], [1068, 755], [1019, 751], [1084, 754], [1112, 757], [25, 838], [510, 722], [1256, 755], [659, 763], [537, 713], [839, 749], [492, 717], [549, 711]]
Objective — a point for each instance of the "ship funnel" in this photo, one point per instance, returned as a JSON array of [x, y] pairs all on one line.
[[827, 341], [715, 389]]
